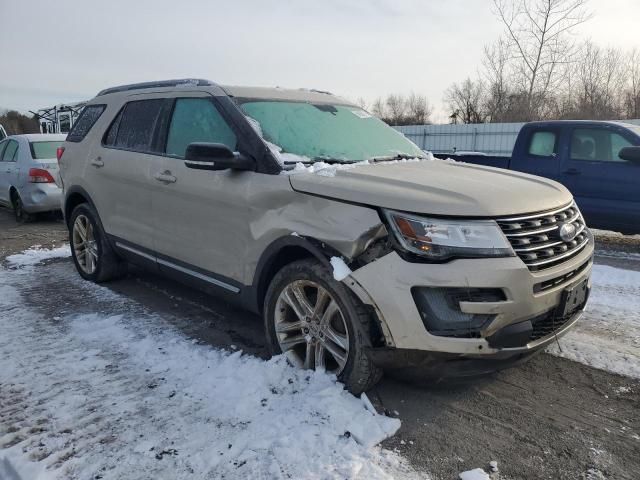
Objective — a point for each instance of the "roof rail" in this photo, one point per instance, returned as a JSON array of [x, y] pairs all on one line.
[[195, 82]]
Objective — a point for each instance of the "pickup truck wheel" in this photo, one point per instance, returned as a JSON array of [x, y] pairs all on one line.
[[94, 258], [22, 216], [319, 324]]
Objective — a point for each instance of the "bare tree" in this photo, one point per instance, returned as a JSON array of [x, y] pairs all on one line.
[[631, 95], [379, 108], [495, 63], [465, 101], [418, 110], [599, 81], [396, 109], [538, 35]]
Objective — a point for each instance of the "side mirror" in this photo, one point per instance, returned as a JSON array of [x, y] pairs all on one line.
[[630, 154], [215, 156]]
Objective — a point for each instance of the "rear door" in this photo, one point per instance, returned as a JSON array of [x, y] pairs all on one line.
[[8, 169], [118, 172], [541, 152], [606, 187]]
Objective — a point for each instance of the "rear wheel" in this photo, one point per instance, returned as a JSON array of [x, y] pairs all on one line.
[[319, 324], [19, 212], [94, 258]]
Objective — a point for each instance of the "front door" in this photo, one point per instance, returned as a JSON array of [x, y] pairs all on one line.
[[605, 186], [201, 217]]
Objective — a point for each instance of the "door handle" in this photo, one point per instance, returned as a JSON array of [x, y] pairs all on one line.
[[97, 162], [572, 171], [165, 177]]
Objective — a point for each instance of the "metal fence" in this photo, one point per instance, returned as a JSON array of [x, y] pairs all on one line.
[[490, 138]]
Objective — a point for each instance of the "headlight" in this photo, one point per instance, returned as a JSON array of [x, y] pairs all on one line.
[[441, 238]]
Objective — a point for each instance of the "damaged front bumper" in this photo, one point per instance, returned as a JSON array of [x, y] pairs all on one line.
[[519, 322]]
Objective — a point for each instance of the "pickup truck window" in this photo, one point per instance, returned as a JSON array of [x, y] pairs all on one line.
[[591, 144], [543, 143]]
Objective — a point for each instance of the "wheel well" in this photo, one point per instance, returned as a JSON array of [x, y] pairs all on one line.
[[285, 256], [72, 202]]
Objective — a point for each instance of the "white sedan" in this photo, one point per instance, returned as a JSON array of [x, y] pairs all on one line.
[[29, 177]]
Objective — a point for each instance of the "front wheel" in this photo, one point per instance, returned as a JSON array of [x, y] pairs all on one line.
[[319, 324]]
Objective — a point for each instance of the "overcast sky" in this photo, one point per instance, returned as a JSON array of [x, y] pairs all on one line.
[[63, 51]]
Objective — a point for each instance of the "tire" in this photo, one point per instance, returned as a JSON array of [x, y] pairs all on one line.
[[99, 263], [350, 325], [22, 216]]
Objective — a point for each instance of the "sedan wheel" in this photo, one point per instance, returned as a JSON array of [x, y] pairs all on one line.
[[310, 327], [84, 244]]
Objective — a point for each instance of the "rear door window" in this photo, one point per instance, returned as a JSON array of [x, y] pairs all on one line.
[[85, 121], [197, 120], [543, 143], [133, 129], [10, 152]]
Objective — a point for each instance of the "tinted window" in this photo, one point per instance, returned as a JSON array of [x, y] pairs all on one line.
[[197, 120], [9, 154], [135, 126], [594, 144], [543, 144], [85, 121], [44, 150], [110, 137]]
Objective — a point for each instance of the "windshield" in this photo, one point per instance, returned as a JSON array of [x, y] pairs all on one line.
[[328, 132], [44, 150]]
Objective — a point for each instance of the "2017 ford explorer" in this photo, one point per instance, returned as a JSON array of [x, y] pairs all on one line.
[[380, 257]]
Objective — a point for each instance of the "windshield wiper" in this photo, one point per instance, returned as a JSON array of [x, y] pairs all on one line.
[[319, 159], [399, 156]]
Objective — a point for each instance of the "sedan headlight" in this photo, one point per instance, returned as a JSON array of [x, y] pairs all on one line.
[[442, 238]]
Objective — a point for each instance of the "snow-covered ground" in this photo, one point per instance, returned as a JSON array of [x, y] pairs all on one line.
[[608, 334], [125, 396], [120, 393]]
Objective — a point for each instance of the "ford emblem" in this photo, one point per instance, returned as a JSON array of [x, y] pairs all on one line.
[[568, 231]]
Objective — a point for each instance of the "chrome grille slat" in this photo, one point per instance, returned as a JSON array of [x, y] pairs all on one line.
[[570, 253], [535, 238]]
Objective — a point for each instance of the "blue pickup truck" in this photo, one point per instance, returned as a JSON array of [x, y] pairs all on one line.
[[599, 162]]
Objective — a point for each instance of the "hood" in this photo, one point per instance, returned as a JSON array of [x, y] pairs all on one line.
[[437, 187]]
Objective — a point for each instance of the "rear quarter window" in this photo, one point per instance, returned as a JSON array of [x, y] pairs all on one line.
[[543, 143], [88, 117]]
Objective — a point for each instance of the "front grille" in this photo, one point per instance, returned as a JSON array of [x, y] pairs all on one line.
[[546, 324], [536, 238], [554, 282]]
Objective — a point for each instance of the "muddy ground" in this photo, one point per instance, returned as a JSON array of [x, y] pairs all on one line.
[[548, 419]]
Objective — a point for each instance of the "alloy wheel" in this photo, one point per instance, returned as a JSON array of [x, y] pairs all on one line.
[[310, 327], [84, 244]]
